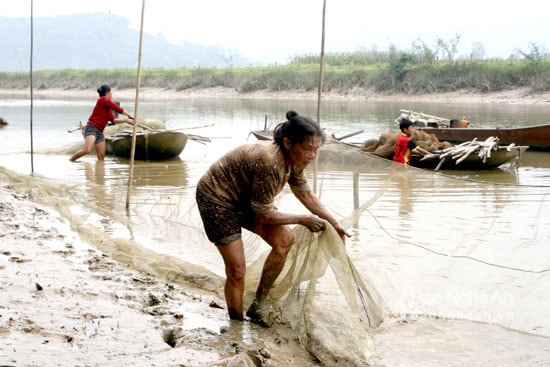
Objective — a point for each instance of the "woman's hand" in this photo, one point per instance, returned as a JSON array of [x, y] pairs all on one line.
[[316, 224], [313, 223], [341, 232], [128, 114]]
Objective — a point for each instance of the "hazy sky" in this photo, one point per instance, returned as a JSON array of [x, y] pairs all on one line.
[[273, 31]]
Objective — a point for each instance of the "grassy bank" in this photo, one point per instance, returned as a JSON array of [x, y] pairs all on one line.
[[389, 72]]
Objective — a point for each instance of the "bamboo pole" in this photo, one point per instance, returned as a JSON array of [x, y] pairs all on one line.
[[320, 87], [31, 86], [138, 83], [425, 115], [322, 62]]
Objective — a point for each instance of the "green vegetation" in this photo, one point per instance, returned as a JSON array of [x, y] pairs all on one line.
[[421, 70]]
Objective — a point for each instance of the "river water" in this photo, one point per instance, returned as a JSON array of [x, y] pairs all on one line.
[[460, 258]]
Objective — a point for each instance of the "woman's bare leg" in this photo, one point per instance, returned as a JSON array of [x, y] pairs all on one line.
[[100, 150], [89, 142], [280, 238], [235, 271]]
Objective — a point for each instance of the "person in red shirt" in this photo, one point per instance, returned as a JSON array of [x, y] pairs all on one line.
[[101, 115], [405, 146]]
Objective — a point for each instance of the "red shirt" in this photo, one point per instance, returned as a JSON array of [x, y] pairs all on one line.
[[103, 112], [404, 147]]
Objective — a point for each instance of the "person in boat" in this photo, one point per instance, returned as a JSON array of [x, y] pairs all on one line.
[[101, 115], [405, 146], [455, 123], [238, 191]]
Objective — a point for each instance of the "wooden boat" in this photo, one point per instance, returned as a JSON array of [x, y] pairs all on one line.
[[536, 137], [472, 155], [153, 140], [262, 134], [342, 156], [477, 159], [150, 145], [268, 135]]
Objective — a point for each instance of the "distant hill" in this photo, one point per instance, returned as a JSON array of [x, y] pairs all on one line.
[[98, 41]]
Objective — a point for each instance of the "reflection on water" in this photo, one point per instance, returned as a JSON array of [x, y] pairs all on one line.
[[95, 185], [460, 245], [403, 186]]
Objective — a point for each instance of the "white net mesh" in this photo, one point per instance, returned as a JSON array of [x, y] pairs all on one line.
[[324, 298]]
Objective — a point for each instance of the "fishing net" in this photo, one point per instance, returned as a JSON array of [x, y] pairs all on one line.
[[436, 262], [325, 299], [329, 304], [463, 257]]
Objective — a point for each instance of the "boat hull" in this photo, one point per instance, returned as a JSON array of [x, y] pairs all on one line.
[[503, 154], [154, 145], [263, 134], [536, 137], [473, 161]]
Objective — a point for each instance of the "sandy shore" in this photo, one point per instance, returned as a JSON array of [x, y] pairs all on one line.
[[515, 96], [64, 302]]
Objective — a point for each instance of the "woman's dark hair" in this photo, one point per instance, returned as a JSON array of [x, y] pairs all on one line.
[[297, 129], [103, 90]]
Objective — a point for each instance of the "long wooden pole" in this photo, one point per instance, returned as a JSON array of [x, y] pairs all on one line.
[[322, 63], [31, 85], [425, 115], [320, 87], [138, 83]]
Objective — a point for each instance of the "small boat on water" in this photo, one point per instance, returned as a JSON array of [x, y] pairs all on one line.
[[153, 140], [150, 145], [536, 137], [472, 155], [268, 135], [262, 134]]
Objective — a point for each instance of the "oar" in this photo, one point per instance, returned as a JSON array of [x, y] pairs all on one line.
[[198, 138], [76, 128], [425, 115], [145, 127], [348, 135], [195, 127]]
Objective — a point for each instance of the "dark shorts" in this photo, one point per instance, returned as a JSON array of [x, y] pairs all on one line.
[[222, 225], [92, 130]]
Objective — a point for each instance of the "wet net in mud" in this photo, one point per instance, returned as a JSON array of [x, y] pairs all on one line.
[[320, 293], [325, 299], [425, 246]]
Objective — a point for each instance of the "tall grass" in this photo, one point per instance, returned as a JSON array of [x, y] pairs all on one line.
[[388, 72]]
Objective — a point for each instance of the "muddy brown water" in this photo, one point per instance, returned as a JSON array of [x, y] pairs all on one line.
[[460, 255]]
